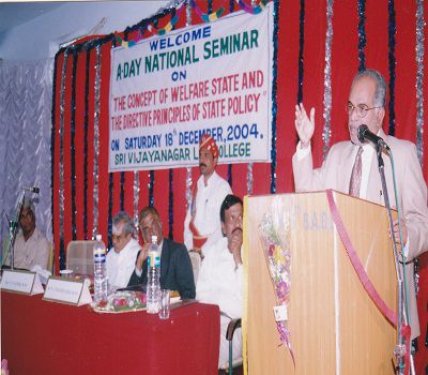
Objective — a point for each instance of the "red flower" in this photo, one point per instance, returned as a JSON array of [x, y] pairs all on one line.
[[271, 249], [282, 290]]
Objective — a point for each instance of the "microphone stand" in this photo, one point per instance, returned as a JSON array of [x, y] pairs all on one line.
[[402, 318], [13, 229]]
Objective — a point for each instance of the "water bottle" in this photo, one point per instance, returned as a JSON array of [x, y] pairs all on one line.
[[153, 278], [100, 271]]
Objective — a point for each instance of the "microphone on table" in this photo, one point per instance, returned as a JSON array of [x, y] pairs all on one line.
[[364, 134], [32, 189]]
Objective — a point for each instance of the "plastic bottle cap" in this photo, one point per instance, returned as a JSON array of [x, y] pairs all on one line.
[[98, 237], [154, 239]]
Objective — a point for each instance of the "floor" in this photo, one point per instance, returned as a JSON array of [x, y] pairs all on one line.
[[236, 371]]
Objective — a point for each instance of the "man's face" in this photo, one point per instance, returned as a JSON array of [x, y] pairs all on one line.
[[27, 220], [151, 226], [207, 163], [232, 226], [362, 94], [120, 240]]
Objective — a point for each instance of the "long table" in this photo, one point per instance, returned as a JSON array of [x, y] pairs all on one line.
[[40, 337]]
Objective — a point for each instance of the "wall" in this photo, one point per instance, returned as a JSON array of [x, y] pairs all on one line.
[[41, 37], [26, 72]]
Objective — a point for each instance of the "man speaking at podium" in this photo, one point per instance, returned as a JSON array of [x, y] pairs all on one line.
[[351, 167]]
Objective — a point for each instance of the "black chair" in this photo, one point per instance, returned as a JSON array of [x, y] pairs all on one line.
[[231, 328]]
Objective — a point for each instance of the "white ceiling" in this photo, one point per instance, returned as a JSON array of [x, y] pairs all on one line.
[[35, 30], [13, 14]]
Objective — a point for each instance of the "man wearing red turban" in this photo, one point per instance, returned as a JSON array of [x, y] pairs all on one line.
[[202, 223]]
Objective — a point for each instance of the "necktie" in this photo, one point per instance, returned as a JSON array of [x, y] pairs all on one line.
[[355, 184]]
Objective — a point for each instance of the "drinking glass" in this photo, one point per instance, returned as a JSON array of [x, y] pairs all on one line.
[[164, 306]]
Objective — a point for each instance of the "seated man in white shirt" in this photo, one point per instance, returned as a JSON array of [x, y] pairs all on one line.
[[220, 276], [121, 258], [31, 246]]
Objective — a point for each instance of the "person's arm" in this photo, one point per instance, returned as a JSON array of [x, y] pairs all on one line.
[[141, 258], [139, 276], [233, 304], [235, 246], [304, 125], [306, 178], [184, 274], [187, 235], [43, 254], [414, 208], [222, 190]]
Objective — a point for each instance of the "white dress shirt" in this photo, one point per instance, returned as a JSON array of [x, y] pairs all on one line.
[[34, 251], [121, 265], [220, 282], [208, 202]]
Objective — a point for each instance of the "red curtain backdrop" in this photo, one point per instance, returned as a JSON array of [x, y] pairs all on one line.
[[344, 64]]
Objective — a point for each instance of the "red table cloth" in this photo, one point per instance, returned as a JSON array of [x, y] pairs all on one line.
[[40, 337]]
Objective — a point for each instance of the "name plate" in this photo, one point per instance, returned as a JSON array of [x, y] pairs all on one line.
[[67, 291], [23, 282]]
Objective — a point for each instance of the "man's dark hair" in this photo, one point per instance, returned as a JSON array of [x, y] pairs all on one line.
[[228, 202], [146, 211], [28, 204]]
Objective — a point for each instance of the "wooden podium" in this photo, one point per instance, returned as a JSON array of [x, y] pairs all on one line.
[[335, 327]]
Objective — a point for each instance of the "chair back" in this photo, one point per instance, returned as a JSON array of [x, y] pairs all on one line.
[[79, 257], [5, 253], [51, 264], [195, 259]]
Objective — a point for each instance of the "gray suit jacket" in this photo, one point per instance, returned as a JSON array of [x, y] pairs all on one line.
[[335, 173]]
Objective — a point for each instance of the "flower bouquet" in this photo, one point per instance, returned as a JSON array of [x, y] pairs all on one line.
[[275, 235], [123, 301]]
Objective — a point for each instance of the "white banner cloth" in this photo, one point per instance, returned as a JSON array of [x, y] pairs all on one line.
[[166, 91]]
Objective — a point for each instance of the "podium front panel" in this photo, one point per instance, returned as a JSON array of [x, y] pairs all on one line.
[[335, 328]]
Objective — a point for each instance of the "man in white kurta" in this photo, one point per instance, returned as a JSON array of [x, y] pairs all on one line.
[[202, 224], [31, 246], [122, 256], [220, 277], [31, 252]]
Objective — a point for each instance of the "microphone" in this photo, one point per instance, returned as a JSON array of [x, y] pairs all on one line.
[[364, 134], [32, 189]]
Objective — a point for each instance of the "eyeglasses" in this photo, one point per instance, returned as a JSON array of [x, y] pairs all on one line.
[[115, 237], [25, 215], [361, 109], [148, 228]]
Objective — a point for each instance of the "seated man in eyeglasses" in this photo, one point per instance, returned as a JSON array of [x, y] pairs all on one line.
[[121, 257], [176, 269]]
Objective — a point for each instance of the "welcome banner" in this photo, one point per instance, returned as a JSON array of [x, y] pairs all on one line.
[[167, 91]]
